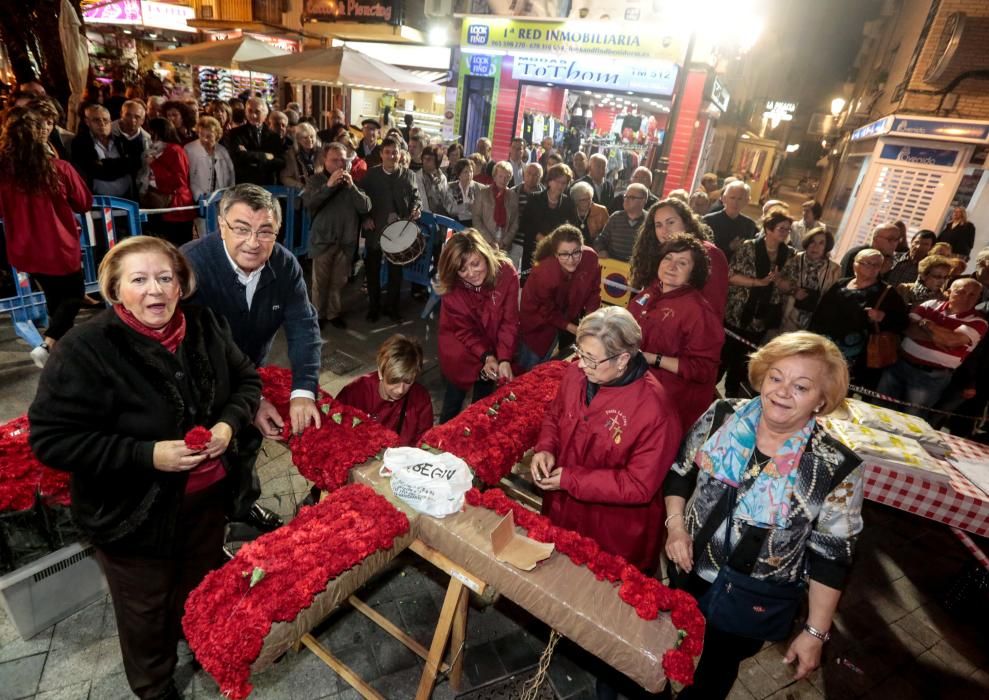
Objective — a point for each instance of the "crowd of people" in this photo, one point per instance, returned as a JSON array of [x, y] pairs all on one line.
[[636, 451]]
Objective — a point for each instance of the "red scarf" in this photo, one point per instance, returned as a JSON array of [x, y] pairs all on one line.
[[500, 212], [170, 335]]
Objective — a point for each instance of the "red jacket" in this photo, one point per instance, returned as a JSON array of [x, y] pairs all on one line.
[[552, 298], [41, 230], [362, 393], [615, 454], [716, 289], [682, 324], [478, 321], [171, 171]]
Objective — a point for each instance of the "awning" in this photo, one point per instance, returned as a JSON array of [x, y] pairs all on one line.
[[341, 67], [232, 53]]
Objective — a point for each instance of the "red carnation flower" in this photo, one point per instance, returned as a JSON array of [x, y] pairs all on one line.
[[198, 438]]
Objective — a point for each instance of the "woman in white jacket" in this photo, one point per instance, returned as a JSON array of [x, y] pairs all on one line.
[[210, 166]]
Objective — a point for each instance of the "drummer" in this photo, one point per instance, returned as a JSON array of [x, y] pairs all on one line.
[[391, 395], [394, 196]]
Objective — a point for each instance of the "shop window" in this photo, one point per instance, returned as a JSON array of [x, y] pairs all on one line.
[[900, 194]]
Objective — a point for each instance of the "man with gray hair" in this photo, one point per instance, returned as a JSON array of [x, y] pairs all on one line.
[[618, 236], [730, 225], [258, 152], [257, 286], [109, 164], [604, 190], [642, 176], [885, 238]]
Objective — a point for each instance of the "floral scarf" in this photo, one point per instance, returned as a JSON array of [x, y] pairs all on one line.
[[726, 456]]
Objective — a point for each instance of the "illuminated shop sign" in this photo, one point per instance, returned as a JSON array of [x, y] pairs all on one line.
[[940, 157], [651, 77]]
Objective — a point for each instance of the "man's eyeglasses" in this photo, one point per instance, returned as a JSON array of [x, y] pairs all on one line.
[[264, 235], [573, 255], [591, 363]]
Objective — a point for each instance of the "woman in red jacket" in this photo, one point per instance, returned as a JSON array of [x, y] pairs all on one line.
[[39, 196], [391, 395], [564, 285], [479, 318], [681, 334], [607, 441], [666, 217], [170, 176]]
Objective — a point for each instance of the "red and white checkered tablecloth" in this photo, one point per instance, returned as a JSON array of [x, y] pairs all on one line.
[[950, 499]]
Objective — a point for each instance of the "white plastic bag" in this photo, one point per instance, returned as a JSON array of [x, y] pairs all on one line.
[[433, 484]]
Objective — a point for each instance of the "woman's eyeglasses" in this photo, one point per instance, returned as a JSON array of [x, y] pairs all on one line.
[[590, 362]]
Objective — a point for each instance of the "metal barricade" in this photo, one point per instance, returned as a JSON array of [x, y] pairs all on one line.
[[295, 217]]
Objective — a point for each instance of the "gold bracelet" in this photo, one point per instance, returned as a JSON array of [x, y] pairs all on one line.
[[666, 523]]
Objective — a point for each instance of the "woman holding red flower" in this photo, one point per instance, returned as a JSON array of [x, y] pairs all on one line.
[[682, 334], [479, 318], [564, 285], [391, 395], [114, 404]]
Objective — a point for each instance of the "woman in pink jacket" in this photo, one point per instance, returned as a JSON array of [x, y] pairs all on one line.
[[479, 319]]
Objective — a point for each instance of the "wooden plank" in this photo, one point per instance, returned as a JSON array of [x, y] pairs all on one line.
[[392, 629], [458, 641], [341, 669], [454, 592], [452, 568]]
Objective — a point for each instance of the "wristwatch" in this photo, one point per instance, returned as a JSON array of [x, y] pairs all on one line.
[[814, 632], [659, 358]]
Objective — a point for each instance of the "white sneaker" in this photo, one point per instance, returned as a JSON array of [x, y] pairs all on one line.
[[40, 356]]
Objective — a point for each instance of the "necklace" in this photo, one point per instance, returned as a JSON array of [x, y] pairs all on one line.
[[757, 467]]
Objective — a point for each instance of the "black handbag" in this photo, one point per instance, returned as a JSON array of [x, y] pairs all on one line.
[[744, 606]]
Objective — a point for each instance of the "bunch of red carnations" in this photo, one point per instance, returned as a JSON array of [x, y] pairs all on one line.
[[493, 434], [275, 577], [644, 593], [22, 477]]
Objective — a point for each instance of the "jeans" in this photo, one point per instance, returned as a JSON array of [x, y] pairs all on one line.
[[915, 384], [453, 399], [528, 357]]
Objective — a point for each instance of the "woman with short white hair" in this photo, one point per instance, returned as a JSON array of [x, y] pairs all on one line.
[[302, 158]]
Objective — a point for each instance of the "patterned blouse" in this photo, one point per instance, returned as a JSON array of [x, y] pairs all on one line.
[[825, 512], [917, 292], [744, 263]]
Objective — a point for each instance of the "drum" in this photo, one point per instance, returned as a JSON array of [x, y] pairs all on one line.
[[402, 242]]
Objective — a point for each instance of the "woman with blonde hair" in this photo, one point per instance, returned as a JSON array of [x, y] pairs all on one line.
[[479, 318], [391, 395], [959, 233], [113, 409], [210, 165], [760, 497], [302, 159]]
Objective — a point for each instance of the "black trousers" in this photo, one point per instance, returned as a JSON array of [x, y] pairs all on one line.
[[63, 296], [453, 398], [372, 268], [149, 594], [735, 361]]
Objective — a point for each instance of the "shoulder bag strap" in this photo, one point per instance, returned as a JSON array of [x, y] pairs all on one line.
[[879, 303]]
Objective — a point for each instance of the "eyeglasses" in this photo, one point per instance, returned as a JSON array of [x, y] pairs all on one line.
[[264, 235], [588, 361], [574, 255]]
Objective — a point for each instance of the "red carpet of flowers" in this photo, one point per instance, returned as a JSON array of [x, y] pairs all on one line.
[[22, 477], [647, 595], [493, 434], [347, 437], [276, 387], [278, 575]]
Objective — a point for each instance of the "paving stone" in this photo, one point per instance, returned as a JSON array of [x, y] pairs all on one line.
[[109, 659], [69, 665], [392, 656], [344, 628], [482, 664], [572, 669], [758, 680], [79, 691], [21, 676], [740, 692], [899, 687], [17, 648], [296, 676], [954, 659], [113, 687], [517, 651], [925, 624], [80, 629], [421, 610], [360, 660], [399, 684], [801, 690]]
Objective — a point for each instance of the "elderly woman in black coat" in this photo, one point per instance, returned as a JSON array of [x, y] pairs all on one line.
[[113, 407]]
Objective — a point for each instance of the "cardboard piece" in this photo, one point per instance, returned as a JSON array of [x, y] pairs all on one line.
[[518, 550]]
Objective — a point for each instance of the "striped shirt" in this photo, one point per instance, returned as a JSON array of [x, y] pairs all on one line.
[[926, 352]]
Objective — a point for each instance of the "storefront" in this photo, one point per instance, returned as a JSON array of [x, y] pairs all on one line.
[[909, 168], [123, 35], [220, 83], [595, 86]]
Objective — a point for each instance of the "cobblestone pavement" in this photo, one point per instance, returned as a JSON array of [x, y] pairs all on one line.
[[893, 637]]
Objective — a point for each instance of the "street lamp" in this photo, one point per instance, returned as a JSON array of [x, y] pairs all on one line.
[[837, 105]]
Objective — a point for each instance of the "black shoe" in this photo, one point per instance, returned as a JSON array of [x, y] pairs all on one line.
[[373, 315], [338, 322], [263, 519]]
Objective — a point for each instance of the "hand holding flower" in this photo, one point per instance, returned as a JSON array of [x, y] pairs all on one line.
[[174, 456]]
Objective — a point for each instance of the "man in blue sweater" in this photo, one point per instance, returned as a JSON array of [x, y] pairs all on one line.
[[256, 284]]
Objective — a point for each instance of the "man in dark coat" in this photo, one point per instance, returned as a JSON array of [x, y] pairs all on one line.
[[257, 285], [604, 190], [257, 152], [109, 164], [368, 148]]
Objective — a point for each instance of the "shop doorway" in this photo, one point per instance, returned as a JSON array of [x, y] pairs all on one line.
[[477, 110]]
